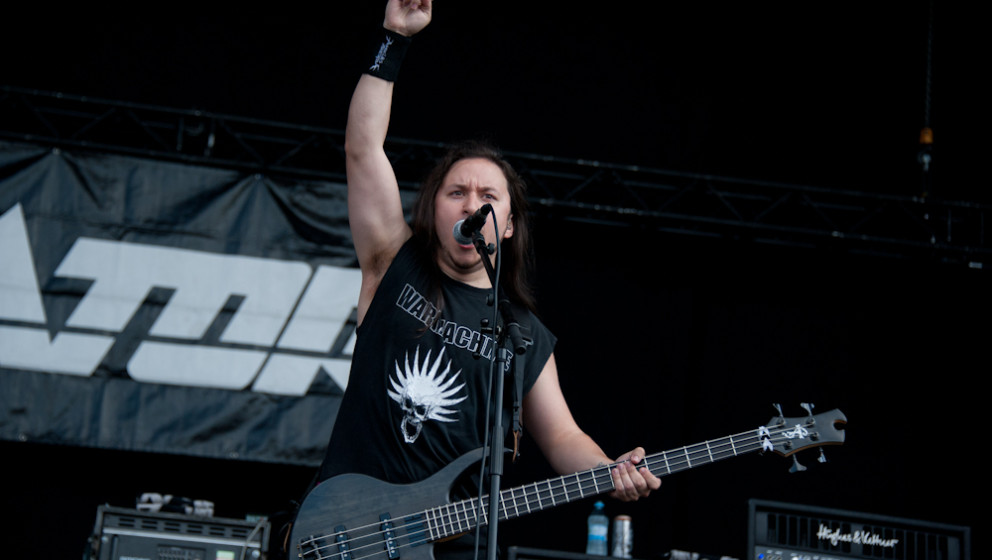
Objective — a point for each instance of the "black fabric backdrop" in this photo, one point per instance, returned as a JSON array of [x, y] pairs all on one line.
[[664, 341], [60, 201]]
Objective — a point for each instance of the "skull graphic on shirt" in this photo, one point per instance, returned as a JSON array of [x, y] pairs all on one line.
[[425, 391]]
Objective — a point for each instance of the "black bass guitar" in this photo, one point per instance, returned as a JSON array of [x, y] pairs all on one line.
[[356, 517]]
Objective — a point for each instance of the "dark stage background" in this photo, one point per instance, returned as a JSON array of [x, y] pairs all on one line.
[[665, 340]]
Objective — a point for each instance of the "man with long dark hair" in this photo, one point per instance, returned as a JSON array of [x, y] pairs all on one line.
[[419, 385]]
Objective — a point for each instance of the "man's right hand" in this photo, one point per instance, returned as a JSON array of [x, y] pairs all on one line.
[[407, 17]]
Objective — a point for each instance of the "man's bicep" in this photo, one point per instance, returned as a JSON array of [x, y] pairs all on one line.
[[375, 209]]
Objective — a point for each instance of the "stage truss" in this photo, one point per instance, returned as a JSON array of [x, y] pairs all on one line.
[[908, 227]]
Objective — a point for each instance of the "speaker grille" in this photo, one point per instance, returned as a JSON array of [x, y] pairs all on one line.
[[792, 530]]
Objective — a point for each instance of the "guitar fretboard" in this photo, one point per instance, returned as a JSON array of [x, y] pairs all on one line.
[[459, 517]]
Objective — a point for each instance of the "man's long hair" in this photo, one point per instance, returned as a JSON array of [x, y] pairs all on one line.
[[517, 257]]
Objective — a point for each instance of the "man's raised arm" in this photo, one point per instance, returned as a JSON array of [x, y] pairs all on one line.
[[374, 208]]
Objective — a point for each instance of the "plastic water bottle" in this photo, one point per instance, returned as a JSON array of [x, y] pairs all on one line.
[[599, 527]]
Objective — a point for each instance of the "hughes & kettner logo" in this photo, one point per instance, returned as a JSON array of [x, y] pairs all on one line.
[[177, 316], [864, 538]]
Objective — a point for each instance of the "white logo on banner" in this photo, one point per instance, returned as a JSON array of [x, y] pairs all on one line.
[[277, 341]]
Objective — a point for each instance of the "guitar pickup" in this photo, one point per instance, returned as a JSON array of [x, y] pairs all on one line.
[[343, 543], [416, 529], [389, 537]]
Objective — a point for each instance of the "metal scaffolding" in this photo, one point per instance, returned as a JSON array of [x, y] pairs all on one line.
[[920, 228]]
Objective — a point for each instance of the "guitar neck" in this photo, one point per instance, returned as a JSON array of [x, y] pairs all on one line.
[[459, 517]]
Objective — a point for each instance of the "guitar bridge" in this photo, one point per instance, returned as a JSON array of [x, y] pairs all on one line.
[[318, 548]]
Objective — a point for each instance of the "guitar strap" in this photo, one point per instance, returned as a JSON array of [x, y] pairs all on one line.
[[518, 396], [519, 360]]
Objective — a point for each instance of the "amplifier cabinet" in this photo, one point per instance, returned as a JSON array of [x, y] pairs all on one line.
[[128, 534], [783, 531], [527, 553]]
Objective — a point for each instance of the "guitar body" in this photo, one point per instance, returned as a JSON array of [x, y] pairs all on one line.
[[355, 517]]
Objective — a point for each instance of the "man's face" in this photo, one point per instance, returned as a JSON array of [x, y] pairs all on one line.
[[468, 185]]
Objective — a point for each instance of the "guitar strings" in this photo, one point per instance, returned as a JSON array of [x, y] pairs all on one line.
[[459, 517], [444, 519]]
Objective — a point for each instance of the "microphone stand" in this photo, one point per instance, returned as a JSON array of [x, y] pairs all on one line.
[[508, 329]]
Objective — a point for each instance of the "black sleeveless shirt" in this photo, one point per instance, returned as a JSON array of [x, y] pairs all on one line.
[[416, 395]]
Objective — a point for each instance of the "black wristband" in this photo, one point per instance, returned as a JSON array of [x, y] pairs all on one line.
[[389, 55]]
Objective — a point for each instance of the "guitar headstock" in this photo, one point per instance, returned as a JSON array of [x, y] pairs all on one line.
[[788, 436]]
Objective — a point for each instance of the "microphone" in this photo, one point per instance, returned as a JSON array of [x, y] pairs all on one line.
[[465, 229]]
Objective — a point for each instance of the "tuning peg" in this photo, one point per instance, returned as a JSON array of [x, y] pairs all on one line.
[[796, 467], [808, 407], [823, 456], [781, 417]]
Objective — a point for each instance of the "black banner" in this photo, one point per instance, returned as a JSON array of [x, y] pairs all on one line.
[[162, 307]]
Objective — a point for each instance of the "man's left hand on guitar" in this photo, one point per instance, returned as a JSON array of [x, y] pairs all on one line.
[[632, 479]]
